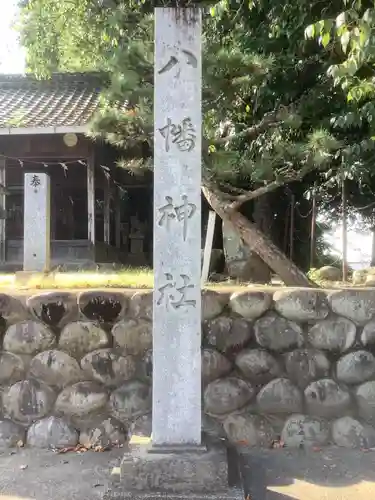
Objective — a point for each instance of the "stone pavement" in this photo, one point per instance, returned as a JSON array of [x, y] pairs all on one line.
[[32, 474], [332, 474]]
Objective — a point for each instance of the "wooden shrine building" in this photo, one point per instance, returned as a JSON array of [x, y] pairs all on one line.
[[97, 212]]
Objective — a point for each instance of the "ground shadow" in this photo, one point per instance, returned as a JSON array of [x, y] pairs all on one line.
[[331, 467]]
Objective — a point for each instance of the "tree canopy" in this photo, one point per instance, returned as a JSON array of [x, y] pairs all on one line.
[[262, 87], [272, 112]]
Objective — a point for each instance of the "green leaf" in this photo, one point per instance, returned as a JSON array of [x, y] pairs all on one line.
[[310, 31], [328, 23], [351, 66], [368, 15], [320, 26], [341, 20], [345, 39], [326, 39]]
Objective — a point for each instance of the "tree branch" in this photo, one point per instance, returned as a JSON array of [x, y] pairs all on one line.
[[235, 190], [268, 188], [251, 195], [269, 120]]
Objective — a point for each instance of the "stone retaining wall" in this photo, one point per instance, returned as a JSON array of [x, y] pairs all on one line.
[[296, 365]]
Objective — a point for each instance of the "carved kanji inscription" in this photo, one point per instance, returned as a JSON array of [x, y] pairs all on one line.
[[175, 292], [183, 135]]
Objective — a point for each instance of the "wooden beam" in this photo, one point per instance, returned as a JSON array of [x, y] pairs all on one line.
[[79, 129], [107, 213], [91, 200], [118, 217], [2, 209]]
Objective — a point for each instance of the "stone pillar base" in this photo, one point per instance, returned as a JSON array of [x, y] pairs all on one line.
[[148, 473]]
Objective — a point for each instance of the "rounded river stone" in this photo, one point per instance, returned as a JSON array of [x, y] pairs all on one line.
[[56, 368], [227, 334], [301, 305], [249, 430], [134, 336], [11, 434], [12, 368], [81, 399], [130, 400], [276, 333], [333, 334], [305, 431], [325, 398], [305, 365], [82, 337], [28, 400], [51, 432], [108, 432], [108, 367], [355, 367], [250, 304], [350, 433], [226, 395], [28, 337], [214, 365], [280, 396], [258, 365]]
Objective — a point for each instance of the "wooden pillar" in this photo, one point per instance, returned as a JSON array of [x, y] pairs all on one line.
[[91, 202], [118, 216], [107, 213], [291, 231], [313, 230], [344, 231], [2, 209]]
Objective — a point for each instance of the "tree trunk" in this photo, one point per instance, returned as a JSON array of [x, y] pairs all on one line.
[[290, 274], [262, 216], [372, 264]]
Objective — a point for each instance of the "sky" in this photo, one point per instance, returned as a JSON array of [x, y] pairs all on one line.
[[11, 54], [12, 60], [359, 246]]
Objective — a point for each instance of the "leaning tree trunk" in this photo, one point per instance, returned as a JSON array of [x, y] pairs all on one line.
[[259, 242], [262, 216]]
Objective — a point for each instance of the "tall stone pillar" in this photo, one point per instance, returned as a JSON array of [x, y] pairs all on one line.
[[177, 228], [174, 464]]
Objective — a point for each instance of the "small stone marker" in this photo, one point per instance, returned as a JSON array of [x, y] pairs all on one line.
[[177, 228], [37, 238]]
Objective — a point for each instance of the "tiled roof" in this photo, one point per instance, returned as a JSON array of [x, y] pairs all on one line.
[[65, 100]]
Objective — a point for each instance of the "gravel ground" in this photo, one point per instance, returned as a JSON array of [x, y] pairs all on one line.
[[332, 474]]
